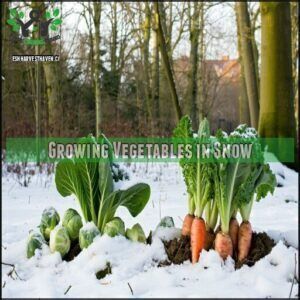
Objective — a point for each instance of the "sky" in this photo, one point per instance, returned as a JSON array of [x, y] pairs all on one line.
[[220, 30]]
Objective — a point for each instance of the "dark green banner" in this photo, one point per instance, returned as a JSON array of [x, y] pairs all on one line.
[[151, 149]]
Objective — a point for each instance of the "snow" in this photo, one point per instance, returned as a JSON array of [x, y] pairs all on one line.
[[134, 265], [89, 226]]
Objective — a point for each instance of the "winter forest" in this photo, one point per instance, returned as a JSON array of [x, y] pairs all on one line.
[[192, 70], [135, 68]]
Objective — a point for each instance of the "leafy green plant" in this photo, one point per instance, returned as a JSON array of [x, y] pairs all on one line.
[[72, 222], [87, 234], [92, 184], [60, 240], [50, 218], [35, 241], [166, 222], [115, 227], [136, 233]]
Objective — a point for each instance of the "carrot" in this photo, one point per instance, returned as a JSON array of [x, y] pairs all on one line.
[[209, 240], [244, 240], [187, 224], [234, 232], [198, 235], [223, 244]]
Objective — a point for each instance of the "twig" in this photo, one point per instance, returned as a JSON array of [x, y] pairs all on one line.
[[130, 288], [7, 264], [69, 287], [13, 270], [293, 281]]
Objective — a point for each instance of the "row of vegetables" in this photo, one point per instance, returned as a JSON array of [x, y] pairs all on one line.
[[60, 237], [217, 191]]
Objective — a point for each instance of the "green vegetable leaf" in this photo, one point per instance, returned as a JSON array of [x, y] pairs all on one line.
[[53, 27], [92, 184], [68, 181], [13, 12], [12, 22], [21, 15], [266, 183], [57, 22], [47, 15], [56, 12]]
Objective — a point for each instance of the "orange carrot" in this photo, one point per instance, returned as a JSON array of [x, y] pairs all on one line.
[[244, 240], [198, 235], [187, 224], [223, 244], [234, 232]]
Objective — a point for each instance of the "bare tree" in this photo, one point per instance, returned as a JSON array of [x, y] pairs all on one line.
[[166, 62]]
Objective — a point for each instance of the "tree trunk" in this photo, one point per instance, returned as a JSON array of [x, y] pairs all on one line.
[[155, 75], [52, 88], [97, 66], [277, 117], [248, 61], [147, 28], [166, 63], [295, 54], [194, 56], [201, 63], [244, 114]]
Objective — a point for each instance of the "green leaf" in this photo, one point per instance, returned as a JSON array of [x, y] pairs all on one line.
[[16, 28], [57, 22], [56, 12], [21, 15], [13, 12], [53, 27], [69, 182], [134, 199], [11, 22], [34, 28], [47, 15], [183, 128]]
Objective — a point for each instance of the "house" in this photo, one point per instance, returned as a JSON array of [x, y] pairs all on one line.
[[220, 85]]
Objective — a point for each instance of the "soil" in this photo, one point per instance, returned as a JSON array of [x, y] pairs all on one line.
[[178, 250], [261, 245], [74, 251]]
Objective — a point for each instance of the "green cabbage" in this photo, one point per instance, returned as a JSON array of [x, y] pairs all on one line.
[[115, 227], [166, 222], [87, 233], [50, 218], [59, 240], [72, 222], [136, 234], [34, 241]]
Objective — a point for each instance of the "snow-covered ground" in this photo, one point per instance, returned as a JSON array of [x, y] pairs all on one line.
[[134, 265]]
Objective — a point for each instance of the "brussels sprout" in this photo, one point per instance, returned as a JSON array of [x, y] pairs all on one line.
[[166, 222], [87, 233], [50, 218], [72, 222], [115, 227], [136, 233], [59, 240], [34, 241]]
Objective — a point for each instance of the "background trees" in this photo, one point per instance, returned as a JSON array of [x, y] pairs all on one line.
[[134, 68]]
